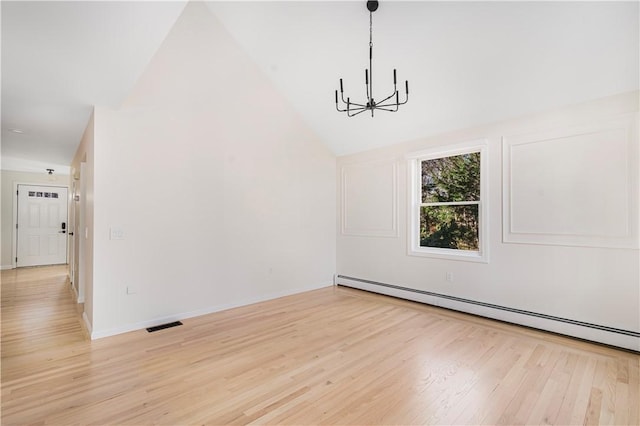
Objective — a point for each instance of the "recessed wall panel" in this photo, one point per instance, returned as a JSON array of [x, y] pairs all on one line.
[[369, 199], [574, 186]]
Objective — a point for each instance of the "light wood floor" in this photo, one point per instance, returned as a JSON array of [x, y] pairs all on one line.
[[331, 356]]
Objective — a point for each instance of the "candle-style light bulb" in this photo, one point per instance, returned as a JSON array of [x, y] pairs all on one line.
[[341, 91], [394, 77], [406, 86]]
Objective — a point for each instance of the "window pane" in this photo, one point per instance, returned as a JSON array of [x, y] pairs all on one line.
[[455, 178], [451, 227]]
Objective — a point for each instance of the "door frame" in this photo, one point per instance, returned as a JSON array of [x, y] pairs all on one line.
[[14, 239], [81, 231], [71, 232]]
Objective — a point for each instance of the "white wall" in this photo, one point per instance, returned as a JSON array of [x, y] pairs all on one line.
[[9, 179], [575, 274], [223, 196]]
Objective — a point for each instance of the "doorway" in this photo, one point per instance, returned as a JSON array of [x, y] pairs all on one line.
[[41, 227]]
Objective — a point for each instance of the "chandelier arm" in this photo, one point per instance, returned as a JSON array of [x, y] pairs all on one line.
[[406, 96], [337, 107], [349, 109], [384, 108], [387, 98], [406, 88], [357, 108], [406, 99], [342, 98], [352, 103], [351, 113], [359, 112], [342, 93], [386, 105], [356, 104], [339, 110], [395, 104]]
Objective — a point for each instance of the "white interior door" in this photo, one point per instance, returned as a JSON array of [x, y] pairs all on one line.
[[42, 225]]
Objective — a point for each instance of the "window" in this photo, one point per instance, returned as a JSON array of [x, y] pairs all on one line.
[[448, 193]]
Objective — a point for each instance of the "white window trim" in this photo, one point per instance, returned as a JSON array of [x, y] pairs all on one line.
[[413, 185]]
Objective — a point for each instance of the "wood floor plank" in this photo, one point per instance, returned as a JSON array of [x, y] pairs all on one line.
[[330, 356]]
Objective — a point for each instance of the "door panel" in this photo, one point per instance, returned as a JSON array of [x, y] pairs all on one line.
[[34, 216], [54, 216], [34, 245], [41, 235], [54, 247]]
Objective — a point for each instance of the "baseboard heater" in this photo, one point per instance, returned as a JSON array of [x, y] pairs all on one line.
[[626, 339]]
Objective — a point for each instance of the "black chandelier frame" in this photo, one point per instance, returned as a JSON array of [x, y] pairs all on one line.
[[387, 104]]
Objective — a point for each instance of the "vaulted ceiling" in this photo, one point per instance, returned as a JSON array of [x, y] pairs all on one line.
[[467, 63]]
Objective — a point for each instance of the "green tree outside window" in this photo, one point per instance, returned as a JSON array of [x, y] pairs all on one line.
[[450, 198]]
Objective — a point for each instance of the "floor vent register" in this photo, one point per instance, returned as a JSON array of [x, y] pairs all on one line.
[[163, 326]]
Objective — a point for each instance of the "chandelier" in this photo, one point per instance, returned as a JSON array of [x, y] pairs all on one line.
[[390, 103]]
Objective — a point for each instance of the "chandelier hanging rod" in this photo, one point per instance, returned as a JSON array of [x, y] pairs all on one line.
[[354, 108]]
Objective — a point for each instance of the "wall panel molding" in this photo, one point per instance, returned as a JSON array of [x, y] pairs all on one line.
[[574, 186], [369, 199]]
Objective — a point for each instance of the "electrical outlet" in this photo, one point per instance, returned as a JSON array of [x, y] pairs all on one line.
[[449, 276], [131, 289]]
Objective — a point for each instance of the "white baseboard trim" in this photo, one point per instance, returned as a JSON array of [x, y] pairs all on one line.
[[602, 334], [98, 334], [87, 323], [3, 267]]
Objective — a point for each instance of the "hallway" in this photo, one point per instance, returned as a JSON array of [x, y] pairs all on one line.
[[38, 311]]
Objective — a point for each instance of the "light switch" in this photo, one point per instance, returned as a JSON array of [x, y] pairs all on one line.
[[116, 233]]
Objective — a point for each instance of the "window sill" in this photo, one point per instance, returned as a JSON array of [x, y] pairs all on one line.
[[450, 254]]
